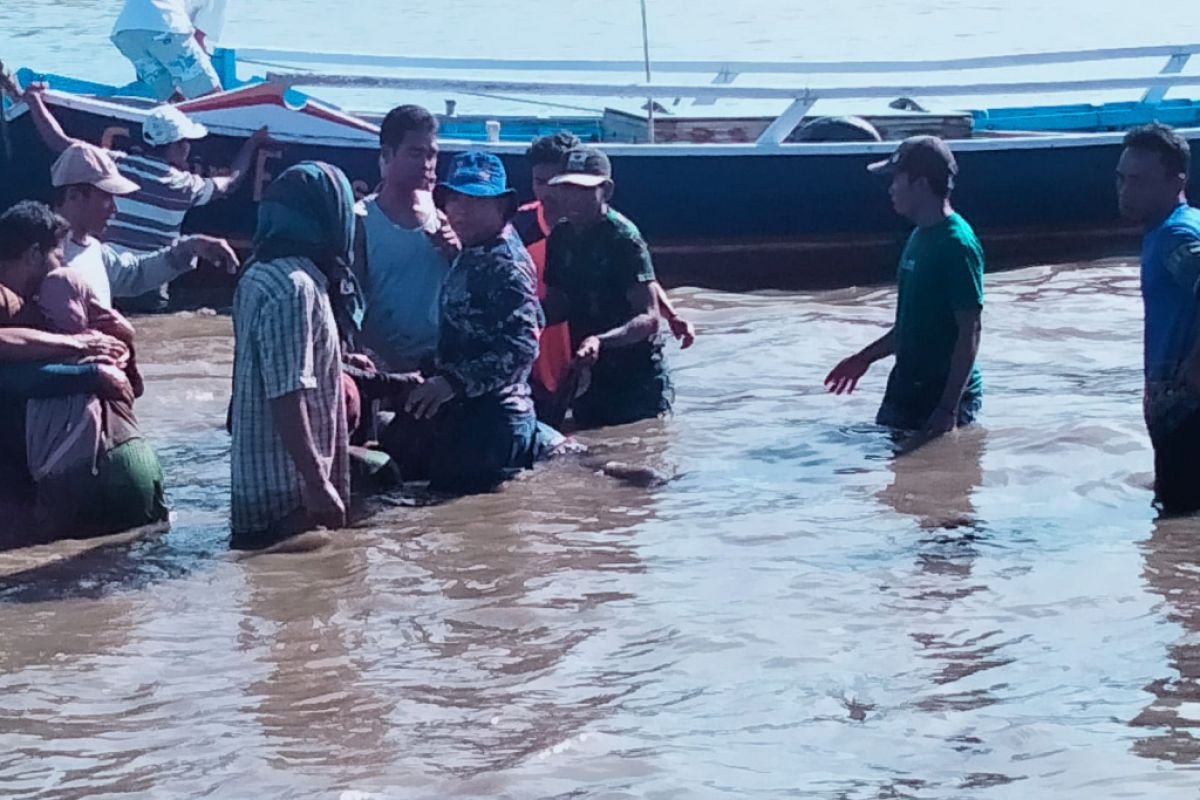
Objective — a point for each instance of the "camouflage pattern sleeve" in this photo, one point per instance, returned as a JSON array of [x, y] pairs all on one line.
[[488, 338]]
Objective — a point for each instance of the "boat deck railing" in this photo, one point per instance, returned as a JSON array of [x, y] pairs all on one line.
[[308, 69]]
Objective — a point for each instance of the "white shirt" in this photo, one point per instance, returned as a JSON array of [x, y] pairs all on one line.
[[173, 16], [110, 273]]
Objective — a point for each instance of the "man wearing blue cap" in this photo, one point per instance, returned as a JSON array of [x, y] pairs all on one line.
[[477, 392]]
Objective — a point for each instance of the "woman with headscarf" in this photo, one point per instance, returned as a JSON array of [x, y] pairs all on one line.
[[290, 459]]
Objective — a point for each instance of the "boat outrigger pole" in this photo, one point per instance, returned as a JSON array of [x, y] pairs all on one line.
[[646, 58]]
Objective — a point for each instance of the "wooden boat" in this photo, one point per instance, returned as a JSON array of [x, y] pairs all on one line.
[[732, 189]]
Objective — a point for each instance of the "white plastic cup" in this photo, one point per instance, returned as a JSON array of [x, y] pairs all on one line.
[[493, 130]]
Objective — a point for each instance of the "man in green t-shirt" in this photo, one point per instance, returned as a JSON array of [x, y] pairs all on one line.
[[935, 385], [599, 278]]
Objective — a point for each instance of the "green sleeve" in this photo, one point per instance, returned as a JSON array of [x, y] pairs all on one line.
[[962, 275], [633, 262]]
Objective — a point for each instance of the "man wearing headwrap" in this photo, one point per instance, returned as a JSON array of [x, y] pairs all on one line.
[[290, 446]]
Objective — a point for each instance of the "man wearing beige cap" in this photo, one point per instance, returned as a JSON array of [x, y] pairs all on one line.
[[152, 217], [86, 183], [934, 385]]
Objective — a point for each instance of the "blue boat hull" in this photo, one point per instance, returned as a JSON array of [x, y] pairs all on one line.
[[736, 219]]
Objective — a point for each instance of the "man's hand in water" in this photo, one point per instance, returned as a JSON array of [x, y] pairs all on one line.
[[941, 421], [426, 400], [324, 505], [114, 385], [445, 239], [211, 249], [843, 379], [589, 351], [100, 348], [682, 330]]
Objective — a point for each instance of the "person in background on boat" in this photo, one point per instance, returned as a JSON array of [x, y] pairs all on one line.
[[290, 462], [86, 183], [166, 40], [151, 217], [1152, 177], [477, 391], [95, 474], [598, 279], [30, 248], [403, 246], [545, 158], [935, 384]]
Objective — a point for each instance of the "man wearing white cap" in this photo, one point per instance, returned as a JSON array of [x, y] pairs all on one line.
[[165, 40], [86, 183], [151, 217]]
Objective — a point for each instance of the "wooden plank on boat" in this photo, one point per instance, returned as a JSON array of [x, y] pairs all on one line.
[[622, 126]]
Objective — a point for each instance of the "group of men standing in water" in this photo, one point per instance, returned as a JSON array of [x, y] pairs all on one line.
[[460, 331]]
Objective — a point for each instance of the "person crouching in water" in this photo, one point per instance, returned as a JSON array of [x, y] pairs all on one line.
[[477, 391]]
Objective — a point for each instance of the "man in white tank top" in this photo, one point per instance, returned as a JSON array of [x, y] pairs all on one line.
[[404, 245]]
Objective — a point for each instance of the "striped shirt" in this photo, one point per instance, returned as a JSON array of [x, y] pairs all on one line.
[[151, 217], [285, 340]]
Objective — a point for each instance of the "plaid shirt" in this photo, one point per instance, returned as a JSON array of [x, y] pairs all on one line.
[[286, 340]]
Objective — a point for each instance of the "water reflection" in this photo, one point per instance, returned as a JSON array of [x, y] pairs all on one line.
[[1172, 570]]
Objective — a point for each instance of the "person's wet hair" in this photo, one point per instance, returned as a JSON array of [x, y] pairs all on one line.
[[402, 119], [550, 149], [1171, 148], [29, 223]]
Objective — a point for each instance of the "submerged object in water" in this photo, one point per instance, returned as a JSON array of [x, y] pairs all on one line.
[[635, 475]]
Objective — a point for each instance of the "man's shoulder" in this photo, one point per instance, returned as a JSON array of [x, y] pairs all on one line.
[[621, 227], [1182, 225], [277, 281], [957, 240]]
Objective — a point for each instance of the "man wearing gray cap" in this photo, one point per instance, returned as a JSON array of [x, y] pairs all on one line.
[[599, 278], [934, 385]]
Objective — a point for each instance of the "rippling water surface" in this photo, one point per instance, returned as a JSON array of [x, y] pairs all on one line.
[[797, 614]]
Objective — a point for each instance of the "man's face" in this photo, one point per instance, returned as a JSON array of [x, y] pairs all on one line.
[[89, 209], [178, 154], [1145, 188], [412, 164], [475, 219], [542, 173], [36, 264], [579, 205], [905, 194]]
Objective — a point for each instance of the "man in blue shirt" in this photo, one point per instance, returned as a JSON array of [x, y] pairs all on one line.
[[1151, 182]]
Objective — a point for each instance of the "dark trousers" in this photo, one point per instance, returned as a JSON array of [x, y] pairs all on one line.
[[896, 415], [1177, 467], [478, 444]]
